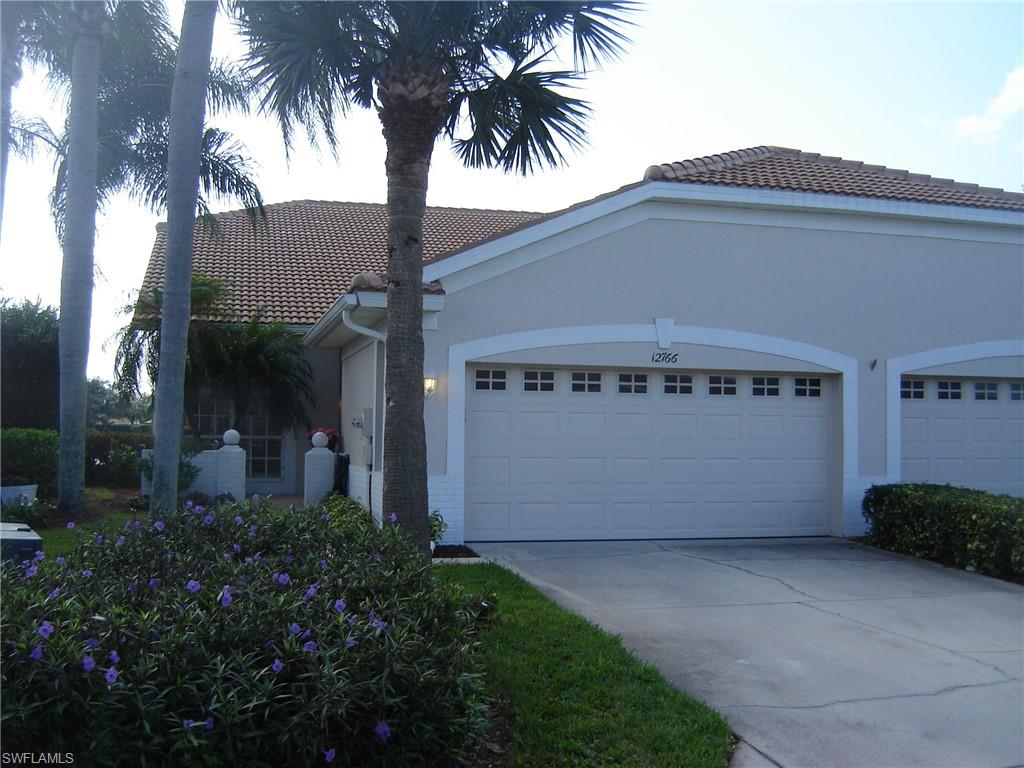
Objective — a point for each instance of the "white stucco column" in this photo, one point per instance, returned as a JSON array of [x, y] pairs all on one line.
[[319, 475], [231, 466]]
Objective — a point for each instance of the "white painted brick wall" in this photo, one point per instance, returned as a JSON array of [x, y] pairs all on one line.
[[445, 494]]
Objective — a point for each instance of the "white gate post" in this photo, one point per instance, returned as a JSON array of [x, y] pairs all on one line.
[[231, 466], [319, 474]]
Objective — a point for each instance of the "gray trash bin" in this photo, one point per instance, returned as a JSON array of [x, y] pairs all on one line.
[[18, 542]]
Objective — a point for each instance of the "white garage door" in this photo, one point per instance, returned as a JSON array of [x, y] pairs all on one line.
[[620, 454], [964, 432]]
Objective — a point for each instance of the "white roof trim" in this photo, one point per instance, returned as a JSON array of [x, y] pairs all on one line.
[[713, 194], [432, 303]]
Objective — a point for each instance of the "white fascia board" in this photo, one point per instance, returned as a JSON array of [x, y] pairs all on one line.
[[729, 197], [328, 319], [432, 302]]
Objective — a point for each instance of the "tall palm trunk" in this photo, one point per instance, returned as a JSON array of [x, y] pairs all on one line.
[[188, 106], [10, 73], [411, 112], [77, 269]]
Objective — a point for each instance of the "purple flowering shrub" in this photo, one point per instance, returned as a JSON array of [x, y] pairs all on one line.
[[240, 635]]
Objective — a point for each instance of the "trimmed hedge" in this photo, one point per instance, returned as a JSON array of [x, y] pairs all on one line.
[[242, 635], [954, 526], [112, 458], [31, 454]]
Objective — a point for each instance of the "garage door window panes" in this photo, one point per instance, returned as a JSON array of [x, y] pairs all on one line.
[[986, 390], [586, 381], [632, 383], [806, 387], [538, 381], [765, 386], [949, 390], [911, 390], [721, 385], [1017, 390], [678, 384], [491, 380]]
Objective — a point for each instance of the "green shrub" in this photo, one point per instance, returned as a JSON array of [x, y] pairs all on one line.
[[231, 645], [955, 526], [31, 454], [112, 458], [36, 513]]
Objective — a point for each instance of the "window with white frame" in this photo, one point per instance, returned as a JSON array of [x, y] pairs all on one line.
[[538, 381], [632, 383], [491, 379], [949, 390], [806, 387], [912, 389], [1017, 390], [586, 381], [986, 390], [765, 386], [261, 437], [678, 384], [721, 385]]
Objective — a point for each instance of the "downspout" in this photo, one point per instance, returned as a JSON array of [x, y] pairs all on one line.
[[377, 336]]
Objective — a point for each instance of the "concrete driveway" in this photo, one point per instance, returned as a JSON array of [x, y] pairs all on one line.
[[820, 652]]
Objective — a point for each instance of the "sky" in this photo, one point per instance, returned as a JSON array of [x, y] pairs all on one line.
[[934, 88]]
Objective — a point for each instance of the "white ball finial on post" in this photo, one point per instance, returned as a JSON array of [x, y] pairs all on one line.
[[232, 437], [320, 440]]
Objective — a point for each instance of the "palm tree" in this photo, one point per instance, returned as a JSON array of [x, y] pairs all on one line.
[[256, 366], [131, 102], [428, 68]]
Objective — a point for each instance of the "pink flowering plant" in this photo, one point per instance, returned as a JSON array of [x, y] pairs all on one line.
[[240, 635]]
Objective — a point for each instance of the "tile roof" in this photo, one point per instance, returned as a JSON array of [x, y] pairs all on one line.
[[295, 265], [790, 169]]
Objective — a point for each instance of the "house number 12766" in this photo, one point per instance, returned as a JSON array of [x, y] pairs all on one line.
[[665, 357]]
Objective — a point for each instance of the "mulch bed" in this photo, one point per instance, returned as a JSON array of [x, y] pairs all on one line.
[[454, 550], [493, 752]]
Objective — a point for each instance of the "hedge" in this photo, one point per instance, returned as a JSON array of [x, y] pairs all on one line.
[[112, 458], [954, 526], [30, 454], [240, 635]]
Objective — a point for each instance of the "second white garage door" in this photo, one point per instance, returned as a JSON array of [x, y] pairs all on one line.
[[620, 454]]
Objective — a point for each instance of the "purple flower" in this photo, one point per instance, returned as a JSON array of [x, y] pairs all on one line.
[[54, 594], [323, 565], [325, 517], [311, 591], [208, 723], [186, 722], [330, 754], [383, 731], [114, 657], [111, 676], [193, 586], [39, 555], [71, 524], [45, 630], [208, 520], [99, 539], [59, 560], [255, 498], [339, 605], [153, 583], [352, 619], [36, 653], [238, 520], [307, 634], [309, 645], [133, 585], [199, 509], [87, 573], [225, 596], [252, 530], [288, 559], [294, 628], [351, 642], [91, 644], [127, 525], [88, 663], [188, 505], [392, 518], [376, 621], [160, 525], [120, 540], [235, 548], [277, 666], [136, 524], [284, 579], [31, 571]]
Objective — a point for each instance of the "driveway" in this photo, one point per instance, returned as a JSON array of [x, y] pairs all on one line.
[[820, 652]]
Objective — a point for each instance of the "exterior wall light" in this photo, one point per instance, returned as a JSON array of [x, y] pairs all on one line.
[[429, 386]]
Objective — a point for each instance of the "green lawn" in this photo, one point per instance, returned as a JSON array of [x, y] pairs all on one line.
[[59, 540], [575, 696]]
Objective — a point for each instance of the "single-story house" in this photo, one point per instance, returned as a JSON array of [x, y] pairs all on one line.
[[736, 345]]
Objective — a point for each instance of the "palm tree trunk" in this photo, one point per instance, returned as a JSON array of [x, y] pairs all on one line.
[[10, 72], [411, 126], [188, 105], [77, 269]]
